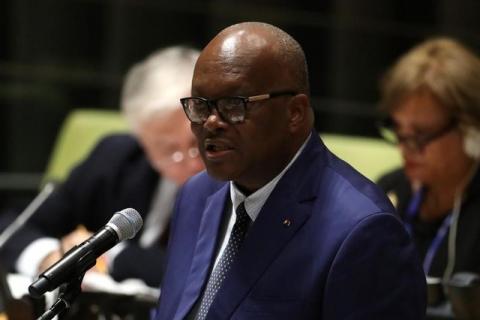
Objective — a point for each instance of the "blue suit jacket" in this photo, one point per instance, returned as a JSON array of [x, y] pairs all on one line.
[[345, 255]]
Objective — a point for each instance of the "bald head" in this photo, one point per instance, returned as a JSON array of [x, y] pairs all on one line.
[[262, 51], [251, 107]]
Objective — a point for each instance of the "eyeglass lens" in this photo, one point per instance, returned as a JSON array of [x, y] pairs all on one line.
[[388, 130], [231, 109]]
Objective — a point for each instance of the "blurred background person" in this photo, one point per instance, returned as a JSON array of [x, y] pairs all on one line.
[[432, 98], [141, 170]]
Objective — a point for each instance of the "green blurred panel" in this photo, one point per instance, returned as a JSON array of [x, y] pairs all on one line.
[[80, 132], [372, 157]]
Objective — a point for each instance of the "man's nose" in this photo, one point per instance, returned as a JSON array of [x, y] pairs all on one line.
[[215, 121]]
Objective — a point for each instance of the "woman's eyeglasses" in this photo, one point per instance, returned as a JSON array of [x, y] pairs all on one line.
[[389, 131]]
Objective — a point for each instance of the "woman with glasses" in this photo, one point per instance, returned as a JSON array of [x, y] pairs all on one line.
[[432, 99]]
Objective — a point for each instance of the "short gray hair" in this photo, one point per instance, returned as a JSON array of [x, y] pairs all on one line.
[[156, 84]]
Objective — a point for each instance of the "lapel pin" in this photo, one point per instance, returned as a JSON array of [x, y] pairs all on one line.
[[287, 222]]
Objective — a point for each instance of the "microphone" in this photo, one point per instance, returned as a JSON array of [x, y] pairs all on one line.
[[123, 225]]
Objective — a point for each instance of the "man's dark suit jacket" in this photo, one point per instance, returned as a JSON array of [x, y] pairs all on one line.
[[115, 176], [344, 254]]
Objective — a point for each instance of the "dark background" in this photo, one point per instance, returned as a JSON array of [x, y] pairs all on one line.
[[56, 55]]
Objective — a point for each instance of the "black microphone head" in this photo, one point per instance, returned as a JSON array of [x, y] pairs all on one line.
[[126, 223]]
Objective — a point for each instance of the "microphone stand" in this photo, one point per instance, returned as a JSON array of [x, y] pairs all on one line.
[[68, 293]]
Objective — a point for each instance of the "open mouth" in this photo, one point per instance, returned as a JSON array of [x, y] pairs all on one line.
[[215, 149]]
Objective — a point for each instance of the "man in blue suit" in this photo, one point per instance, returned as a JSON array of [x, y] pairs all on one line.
[[317, 240]]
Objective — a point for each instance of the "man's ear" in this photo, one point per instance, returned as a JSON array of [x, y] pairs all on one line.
[[299, 112]]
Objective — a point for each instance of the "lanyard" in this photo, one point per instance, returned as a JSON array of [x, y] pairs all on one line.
[[412, 211]]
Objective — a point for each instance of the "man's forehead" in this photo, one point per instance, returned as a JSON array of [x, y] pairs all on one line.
[[242, 41], [230, 45], [236, 47], [242, 61]]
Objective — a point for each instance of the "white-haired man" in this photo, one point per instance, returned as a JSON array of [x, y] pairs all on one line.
[[141, 170]]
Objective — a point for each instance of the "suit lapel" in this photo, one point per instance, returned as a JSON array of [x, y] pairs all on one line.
[[262, 245], [204, 250], [282, 216]]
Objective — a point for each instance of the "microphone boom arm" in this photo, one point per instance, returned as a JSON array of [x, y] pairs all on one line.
[[68, 293]]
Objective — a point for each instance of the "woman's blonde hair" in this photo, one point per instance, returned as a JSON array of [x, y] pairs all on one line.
[[447, 69]]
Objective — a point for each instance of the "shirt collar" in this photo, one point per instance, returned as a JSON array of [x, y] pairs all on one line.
[[255, 201]]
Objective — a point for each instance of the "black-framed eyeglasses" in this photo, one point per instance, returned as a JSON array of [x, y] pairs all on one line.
[[389, 131], [230, 109]]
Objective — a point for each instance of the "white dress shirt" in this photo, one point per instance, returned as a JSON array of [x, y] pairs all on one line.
[[253, 203]]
